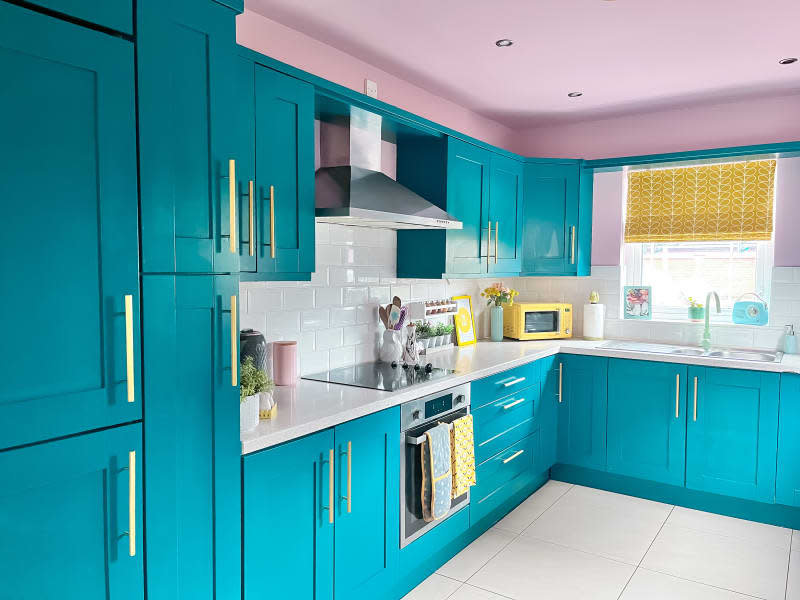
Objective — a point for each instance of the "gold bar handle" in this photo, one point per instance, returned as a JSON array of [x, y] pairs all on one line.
[[560, 380], [329, 508], [512, 404], [489, 246], [572, 245], [234, 349], [132, 503], [513, 456], [695, 399], [349, 496], [129, 346], [272, 221], [251, 245], [496, 237], [232, 202], [677, 396]]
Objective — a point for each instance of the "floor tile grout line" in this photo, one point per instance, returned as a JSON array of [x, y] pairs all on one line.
[[486, 562], [552, 504], [711, 585], [653, 541]]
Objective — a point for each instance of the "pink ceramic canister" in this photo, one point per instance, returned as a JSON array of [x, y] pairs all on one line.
[[284, 363]]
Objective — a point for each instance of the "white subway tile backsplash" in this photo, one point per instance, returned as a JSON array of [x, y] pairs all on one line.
[[338, 276], [343, 357], [356, 334], [326, 297], [315, 319], [342, 235], [368, 275], [284, 323], [401, 291], [379, 294], [314, 362], [354, 296], [298, 298], [343, 316], [264, 299], [329, 338]]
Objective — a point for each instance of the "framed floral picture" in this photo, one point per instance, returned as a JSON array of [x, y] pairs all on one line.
[[465, 322], [637, 302]]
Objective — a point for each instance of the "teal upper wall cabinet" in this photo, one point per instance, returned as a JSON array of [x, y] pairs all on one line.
[[193, 451], [481, 189], [70, 229], [187, 85], [732, 435], [787, 484], [112, 14], [66, 514], [647, 420], [557, 219], [275, 146], [582, 406]]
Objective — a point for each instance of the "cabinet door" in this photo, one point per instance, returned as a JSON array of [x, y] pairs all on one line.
[[284, 147], [288, 530], [66, 512], [245, 152], [193, 449], [550, 218], [787, 485], [548, 414], [505, 214], [69, 219], [186, 86], [113, 14], [468, 201], [732, 436], [582, 385], [367, 505], [647, 420]]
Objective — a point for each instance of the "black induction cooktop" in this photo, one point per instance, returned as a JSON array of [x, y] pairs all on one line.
[[381, 376]]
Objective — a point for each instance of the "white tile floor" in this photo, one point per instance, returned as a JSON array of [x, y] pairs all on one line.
[[568, 542]]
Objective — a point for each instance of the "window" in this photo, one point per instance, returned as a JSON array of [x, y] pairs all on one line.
[[690, 230]]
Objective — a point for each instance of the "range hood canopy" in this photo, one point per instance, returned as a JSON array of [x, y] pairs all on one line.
[[350, 188]]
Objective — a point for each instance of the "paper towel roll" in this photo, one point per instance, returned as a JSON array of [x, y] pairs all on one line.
[[593, 318]]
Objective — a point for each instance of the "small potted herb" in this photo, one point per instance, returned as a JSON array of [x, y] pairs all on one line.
[[440, 333], [255, 390], [424, 334], [697, 311], [448, 333]]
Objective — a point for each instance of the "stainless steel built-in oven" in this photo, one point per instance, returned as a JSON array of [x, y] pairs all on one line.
[[417, 416]]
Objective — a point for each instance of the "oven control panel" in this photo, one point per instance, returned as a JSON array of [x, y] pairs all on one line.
[[427, 408]]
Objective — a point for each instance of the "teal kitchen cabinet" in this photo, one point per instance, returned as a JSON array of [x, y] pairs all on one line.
[[71, 344], [186, 92], [548, 411], [732, 433], [289, 490], [481, 189], [557, 219], [193, 458], [787, 484], [111, 14], [582, 406], [647, 420], [71, 518]]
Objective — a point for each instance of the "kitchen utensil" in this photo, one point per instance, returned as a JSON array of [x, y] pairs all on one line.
[[393, 311], [403, 314], [384, 315]]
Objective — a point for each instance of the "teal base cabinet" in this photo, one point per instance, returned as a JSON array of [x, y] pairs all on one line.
[[193, 459], [289, 492], [68, 509], [647, 420], [582, 406], [548, 412], [69, 182], [732, 433], [787, 484], [116, 14]]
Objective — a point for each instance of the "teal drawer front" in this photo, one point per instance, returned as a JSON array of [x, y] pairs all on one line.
[[498, 386], [506, 421], [502, 475]]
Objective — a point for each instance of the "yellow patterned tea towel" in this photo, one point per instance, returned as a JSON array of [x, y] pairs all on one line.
[[462, 444]]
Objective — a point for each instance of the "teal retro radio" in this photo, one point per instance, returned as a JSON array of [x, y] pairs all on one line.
[[748, 312]]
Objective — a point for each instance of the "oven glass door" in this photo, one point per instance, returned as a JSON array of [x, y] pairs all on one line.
[[542, 321], [414, 525]]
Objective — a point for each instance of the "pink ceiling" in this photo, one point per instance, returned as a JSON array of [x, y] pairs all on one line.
[[626, 56]]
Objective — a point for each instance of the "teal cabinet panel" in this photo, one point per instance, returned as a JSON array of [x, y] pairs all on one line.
[[503, 422], [505, 213], [65, 514], [113, 14], [583, 235], [550, 218], [245, 152], [548, 412], [69, 227], [288, 531], [491, 388], [367, 528], [193, 451], [732, 434], [787, 484], [582, 407], [186, 89], [647, 420]]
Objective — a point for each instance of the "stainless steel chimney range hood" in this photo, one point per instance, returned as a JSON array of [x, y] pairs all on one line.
[[350, 188]]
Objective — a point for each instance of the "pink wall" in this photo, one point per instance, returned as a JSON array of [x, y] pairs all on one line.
[[607, 218], [292, 47], [787, 213], [742, 123]]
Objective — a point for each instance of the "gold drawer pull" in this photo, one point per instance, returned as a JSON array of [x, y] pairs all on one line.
[[489, 246], [695, 399], [251, 244], [513, 456], [272, 243], [132, 503], [572, 245], [560, 380], [512, 404], [234, 349], [496, 237], [329, 508], [514, 382], [232, 201], [678, 396], [129, 345]]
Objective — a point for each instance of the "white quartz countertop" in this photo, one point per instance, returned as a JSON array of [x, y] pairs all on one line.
[[312, 406]]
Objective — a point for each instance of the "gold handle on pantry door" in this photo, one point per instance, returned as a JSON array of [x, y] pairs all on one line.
[[129, 345], [251, 245], [349, 496], [677, 396], [272, 221], [560, 380], [329, 508], [232, 202], [572, 245], [496, 237], [234, 350], [132, 503], [489, 246], [513, 456], [695, 399]]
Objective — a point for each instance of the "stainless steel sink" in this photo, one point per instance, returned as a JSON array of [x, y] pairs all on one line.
[[719, 353]]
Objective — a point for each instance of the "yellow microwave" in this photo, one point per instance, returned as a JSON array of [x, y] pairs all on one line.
[[532, 321]]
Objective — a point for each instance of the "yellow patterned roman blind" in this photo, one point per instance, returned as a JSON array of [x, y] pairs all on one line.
[[729, 201]]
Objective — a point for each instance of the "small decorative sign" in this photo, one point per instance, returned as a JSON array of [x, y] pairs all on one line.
[[637, 302], [465, 322]]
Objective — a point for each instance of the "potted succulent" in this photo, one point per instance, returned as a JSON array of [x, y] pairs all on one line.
[[448, 333], [697, 311], [255, 389], [424, 334], [496, 296], [440, 333]]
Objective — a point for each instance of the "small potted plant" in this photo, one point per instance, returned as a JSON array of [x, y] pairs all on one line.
[[496, 296], [440, 334], [448, 333], [697, 311], [424, 334], [253, 385]]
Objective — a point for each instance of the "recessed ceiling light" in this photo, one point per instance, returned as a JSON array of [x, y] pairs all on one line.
[[575, 94], [787, 61], [504, 43]]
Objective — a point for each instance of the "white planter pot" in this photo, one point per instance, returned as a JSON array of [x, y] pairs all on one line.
[[248, 413], [423, 343], [440, 340], [267, 407]]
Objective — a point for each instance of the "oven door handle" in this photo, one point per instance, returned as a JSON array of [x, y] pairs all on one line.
[[421, 439]]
